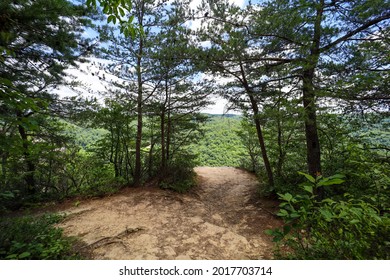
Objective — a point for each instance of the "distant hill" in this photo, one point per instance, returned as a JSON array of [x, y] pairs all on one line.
[[220, 145], [234, 116]]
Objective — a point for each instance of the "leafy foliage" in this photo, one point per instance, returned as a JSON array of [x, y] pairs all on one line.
[[180, 175], [220, 145], [330, 229], [117, 11], [32, 238]]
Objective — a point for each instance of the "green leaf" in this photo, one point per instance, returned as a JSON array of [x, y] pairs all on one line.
[[282, 213], [24, 255], [7, 195], [308, 177], [331, 182], [121, 12], [106, 8], [326, 214], [287, 196], [11, 257], [112, 19], [309, 189], [295, 215]]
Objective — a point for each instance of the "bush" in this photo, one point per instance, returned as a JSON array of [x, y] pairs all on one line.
[[34, 238], [329, 229], [179, 175]]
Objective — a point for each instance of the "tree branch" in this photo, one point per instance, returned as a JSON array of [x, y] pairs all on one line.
[[356, 31]]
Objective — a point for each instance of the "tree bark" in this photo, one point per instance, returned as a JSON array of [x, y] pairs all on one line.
[[260, 137], [29, 177], [169, 129], [312, 140], [140, 10], [162, 132], [282, 154], [163, 128], [313, 149], [138, 142], [255, 109]]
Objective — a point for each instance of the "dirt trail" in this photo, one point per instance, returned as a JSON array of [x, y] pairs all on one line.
[[221, 218]]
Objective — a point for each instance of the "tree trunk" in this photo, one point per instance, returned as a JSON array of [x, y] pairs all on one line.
[[29, 177], [162, 131], [164, 152], [169, 129], [138, 142], [260, 137], [4, 159], [312, 140], [150, 161], [116, 154], [279, 165]]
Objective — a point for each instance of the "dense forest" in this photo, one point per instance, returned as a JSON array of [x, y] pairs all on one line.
[[310, 78]]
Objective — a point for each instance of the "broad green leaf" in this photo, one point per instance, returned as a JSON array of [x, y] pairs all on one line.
[[282, 213], [106, 8], [24, 255], [308, 177], [329, 201], [339, 176], [331, 182], [326, 214], [11, 257], [7, 194], [309, 189], [112, 19], [286, 196], [121, 12], [295, 215]]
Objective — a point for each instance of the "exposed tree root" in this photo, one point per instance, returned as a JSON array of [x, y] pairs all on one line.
[[112, 239]]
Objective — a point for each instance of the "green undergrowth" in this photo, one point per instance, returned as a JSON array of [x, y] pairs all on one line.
[[35, 238], [180, 175], [346, 228]]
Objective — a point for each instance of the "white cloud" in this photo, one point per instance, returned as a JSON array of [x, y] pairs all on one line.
[[91, 77]]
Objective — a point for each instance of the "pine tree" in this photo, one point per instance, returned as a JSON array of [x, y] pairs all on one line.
[[40, 39]]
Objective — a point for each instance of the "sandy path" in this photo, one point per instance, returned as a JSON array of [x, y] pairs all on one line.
[[221, 218]]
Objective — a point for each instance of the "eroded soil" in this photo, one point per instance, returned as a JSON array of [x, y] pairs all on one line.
[[222, 218]]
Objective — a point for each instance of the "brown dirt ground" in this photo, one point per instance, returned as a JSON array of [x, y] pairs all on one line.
[[223, 217]]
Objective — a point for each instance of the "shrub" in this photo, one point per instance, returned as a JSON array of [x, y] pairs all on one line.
[[179, 175], [34, 238], [329, 229]]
